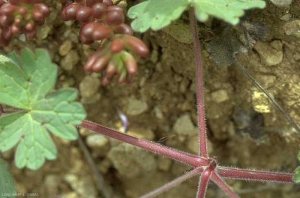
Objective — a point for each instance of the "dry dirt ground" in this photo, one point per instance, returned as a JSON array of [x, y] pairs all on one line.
[[244, 129]]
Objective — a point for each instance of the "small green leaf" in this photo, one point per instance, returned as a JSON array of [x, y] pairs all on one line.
[[26, 84], [12, 84], [7, 186], [157, 14], [227, 10], [296, 177]]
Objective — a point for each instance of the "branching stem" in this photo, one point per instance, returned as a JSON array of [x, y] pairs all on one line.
[[204, 179], [173, 183], [200, 86], [192, 160], [201, 163], [254, 175], [219, 181]]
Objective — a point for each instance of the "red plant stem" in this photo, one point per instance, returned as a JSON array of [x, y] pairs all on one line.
[[254, 175], [200, 86], [203, 181], [217, 180], [173, 183], [192, 160]]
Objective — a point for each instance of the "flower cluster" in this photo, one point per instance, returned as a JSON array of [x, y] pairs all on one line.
[[21, 17], [103, 22]]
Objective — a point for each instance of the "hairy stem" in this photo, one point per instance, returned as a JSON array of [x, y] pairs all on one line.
[[192, 160], [200, 86], [254, 175], [204, 179], [173, 183], [218, 180]]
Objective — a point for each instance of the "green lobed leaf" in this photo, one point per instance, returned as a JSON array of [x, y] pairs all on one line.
[[7, 186], [40, 78], [12, 84], [157, 14], [27, 82], [296, 177], [227, 10]]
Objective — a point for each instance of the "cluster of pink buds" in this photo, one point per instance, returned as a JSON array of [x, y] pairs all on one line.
[[103, 22], [20, 17]]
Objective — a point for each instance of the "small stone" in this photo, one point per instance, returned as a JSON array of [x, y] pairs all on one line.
[[142, 81], [286, 17], [292, 28], [89, 86], [260, 102], [270, 55], [186, 106], [86, 187], [42, 32], [69, 195], [104, 166], [147, 134], [91, 100], [267, 80], [83, 186], [183, 85], [282, 3], [65, 48], [85, 132], [219, 96], [296, 57], [121, 3], [193, 144], [77, 164], [131, 161], [184, 125], [163, 163], [277, 45], [52, 183], [68, 82], [136, 107], [158, 113], [154, 59], [96, 141], [72, 180], [70, 60]]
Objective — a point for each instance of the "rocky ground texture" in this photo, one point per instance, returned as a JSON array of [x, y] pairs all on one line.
[[244, 128]]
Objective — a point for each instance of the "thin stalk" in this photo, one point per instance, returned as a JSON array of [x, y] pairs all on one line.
[[200, 86], [254, 175], [192, 160], [203, 182], [218, 180], [284, 113], [105, 189], [173, 183]]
